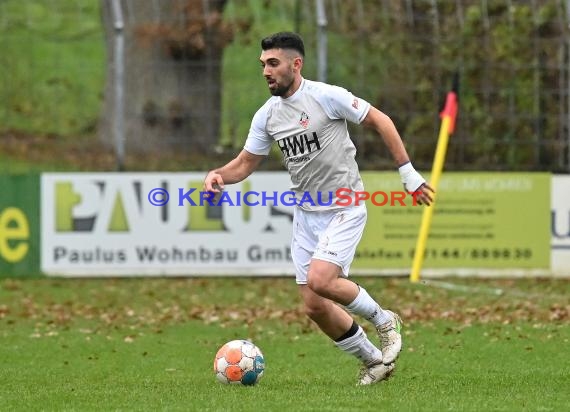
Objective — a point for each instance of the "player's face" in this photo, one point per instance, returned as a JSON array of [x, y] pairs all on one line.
[[279, 70]]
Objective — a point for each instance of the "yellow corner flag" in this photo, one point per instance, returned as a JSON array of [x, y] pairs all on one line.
[[448, 116]]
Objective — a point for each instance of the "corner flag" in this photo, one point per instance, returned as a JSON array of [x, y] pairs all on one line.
[[448, 116]]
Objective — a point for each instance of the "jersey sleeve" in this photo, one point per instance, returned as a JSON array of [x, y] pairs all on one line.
[[258, 142], [339, 103]]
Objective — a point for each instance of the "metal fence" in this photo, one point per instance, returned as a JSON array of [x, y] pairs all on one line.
[[59, 84], [513, 62]]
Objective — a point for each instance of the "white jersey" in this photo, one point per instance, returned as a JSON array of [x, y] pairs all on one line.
[[311, 131]]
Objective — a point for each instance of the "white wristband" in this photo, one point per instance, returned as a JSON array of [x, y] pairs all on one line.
[[411, 179]]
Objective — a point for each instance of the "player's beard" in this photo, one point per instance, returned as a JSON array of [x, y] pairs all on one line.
[[281, 90]]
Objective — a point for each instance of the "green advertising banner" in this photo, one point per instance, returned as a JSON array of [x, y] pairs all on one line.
[[19, 225], [109, 224], [481, 220]]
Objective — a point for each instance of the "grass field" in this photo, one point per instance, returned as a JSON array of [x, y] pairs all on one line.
[[148, 344]]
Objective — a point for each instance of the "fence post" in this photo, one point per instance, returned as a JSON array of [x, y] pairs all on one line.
[[321, 41], [119, 71]]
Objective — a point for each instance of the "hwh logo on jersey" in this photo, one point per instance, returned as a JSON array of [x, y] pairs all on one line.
[[291, 146]]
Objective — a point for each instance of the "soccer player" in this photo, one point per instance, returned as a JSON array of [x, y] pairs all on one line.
[[308, 120]]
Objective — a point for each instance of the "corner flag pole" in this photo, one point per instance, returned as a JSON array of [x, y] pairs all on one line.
[[448, 116]]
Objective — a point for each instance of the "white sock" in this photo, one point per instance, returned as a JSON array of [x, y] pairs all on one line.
[[360, 346], [363, 305]]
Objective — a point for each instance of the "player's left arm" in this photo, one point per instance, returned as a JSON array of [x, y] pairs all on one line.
[[412, 180]]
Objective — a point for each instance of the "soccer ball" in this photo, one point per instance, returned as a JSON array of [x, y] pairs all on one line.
[[239, 362]]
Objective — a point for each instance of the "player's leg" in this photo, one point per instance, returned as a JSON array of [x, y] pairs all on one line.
[[347, 335], [333, 257], [307, 227], [324, 280]]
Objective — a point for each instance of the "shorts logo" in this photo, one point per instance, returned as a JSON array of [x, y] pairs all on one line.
[[355, 103], [304, 120]]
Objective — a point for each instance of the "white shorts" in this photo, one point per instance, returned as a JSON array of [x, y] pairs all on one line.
[[330, 235]]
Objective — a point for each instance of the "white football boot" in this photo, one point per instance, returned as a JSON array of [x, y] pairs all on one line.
[[375, 372], [390, 338]]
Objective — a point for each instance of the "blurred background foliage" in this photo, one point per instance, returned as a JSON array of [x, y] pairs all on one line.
[[512, 58]]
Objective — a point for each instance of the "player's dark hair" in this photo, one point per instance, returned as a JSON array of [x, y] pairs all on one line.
[[284, 40]]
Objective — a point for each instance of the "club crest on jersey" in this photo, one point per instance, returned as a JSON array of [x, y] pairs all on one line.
[[304, 121]]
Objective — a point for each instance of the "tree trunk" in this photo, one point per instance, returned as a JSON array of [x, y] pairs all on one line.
[[172, 65]]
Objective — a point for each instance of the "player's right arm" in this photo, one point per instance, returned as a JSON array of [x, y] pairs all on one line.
[[233, 172]]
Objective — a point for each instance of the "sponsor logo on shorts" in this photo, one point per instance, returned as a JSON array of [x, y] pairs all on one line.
[[329, 252]]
